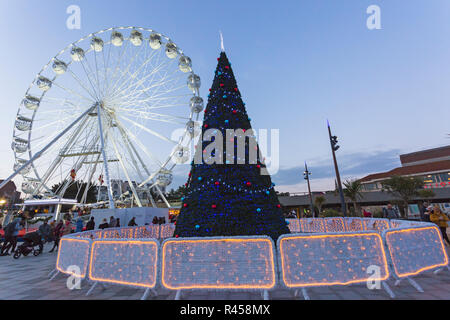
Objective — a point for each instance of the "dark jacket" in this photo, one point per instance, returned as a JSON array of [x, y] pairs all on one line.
[[132, 223], [104, 225], [90, 225], [391, 213]]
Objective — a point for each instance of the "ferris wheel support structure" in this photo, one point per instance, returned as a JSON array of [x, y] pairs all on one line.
[[38, 154], [105, 159]]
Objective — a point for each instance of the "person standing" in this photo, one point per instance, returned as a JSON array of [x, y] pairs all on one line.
[[132, 222], [390, 212], [79, 223], [112, 222], [45, 230], [440, 219], [57, 235], [104, 225], [66, 229], [367, 214], [118, 223], [424, 216], [90, 225], [11, 233]]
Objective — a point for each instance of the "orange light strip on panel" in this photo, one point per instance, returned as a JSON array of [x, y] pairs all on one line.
[[152, 285], [316, 284], [408, 274], [59, 253], [216, 286]]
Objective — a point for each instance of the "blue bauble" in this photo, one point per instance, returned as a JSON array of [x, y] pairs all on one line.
[[197, 227]]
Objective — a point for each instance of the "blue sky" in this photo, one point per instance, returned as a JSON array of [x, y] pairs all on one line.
[[297, 64]]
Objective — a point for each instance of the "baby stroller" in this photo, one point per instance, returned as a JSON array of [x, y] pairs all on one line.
[[30, 242]]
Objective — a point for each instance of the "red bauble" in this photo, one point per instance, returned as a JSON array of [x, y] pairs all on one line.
[[185, 205], [216, 183], [234, 111], [176, 236], [249, 184], [206, 126], [218, 59], [213, 206], [227, 67], [278, 206], [258, 166], [221, 84]]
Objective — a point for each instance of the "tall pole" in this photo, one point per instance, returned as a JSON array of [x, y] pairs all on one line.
[[105, 159], [306, 174], [334, 148]]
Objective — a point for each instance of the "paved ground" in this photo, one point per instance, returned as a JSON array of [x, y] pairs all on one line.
[[27, 279]]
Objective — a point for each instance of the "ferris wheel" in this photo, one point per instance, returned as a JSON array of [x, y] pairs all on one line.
[[103, 110]]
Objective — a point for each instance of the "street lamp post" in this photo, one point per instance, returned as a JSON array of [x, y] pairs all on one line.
[[306, 174], [334, 148]]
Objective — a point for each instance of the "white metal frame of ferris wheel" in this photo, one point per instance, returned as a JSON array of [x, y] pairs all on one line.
[[117, 88]]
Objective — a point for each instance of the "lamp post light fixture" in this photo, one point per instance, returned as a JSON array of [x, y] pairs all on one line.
[[334, 148], [306, 174]]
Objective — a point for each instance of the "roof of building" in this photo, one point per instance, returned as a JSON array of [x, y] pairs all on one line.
[[436, 154], [368, 198], [410, 170]]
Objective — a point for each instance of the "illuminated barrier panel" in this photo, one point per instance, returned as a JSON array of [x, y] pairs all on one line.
[[375, 224], [334, 224], [353, 224], [131, 232], [313, 225], [406, 223], [73, 256], [85, 234], [294, 225], [166, 230], [331, 259], [415, 250], [125, 262], [152, 231], [244, 263]]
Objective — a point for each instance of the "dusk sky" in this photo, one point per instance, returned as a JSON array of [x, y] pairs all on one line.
[[297, 64]]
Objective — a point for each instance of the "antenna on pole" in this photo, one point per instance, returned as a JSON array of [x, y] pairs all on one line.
[[221, 41]]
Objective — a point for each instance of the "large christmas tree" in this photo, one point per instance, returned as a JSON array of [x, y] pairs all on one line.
[[229, 197]]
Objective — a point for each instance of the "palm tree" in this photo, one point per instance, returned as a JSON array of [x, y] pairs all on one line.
[[403, 188], [319, 201], [352, 191]]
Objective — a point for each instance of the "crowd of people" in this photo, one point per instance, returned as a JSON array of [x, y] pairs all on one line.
[[52, 232]]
